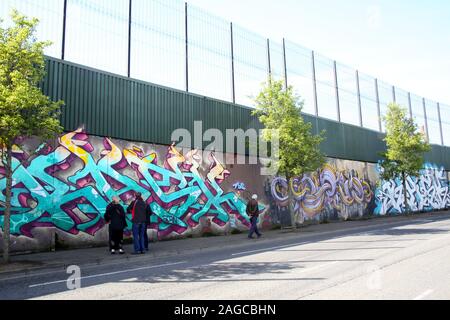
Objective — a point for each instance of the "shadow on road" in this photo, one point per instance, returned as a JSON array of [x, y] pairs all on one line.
[[228, 272], [209, 267], [208, 272]]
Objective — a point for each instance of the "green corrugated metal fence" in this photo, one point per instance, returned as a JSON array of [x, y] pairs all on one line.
[[110, 105]]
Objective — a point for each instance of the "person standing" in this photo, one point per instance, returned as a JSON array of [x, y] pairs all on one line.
[[147, 223], [116, 219], [140, 212], [253, 213]]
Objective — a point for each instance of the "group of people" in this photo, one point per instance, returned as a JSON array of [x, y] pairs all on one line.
[[115, 217]]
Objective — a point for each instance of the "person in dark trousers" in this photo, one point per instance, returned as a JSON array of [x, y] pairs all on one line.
[[116, 219], [253, 213], [147, 223], [140, 213]]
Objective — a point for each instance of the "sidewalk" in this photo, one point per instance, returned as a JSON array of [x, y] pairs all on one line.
[[82, 257]]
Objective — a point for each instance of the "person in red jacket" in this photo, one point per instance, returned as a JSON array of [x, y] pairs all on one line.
[[253, 213], [140, 212]]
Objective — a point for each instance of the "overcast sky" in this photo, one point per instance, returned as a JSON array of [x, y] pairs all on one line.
[[403, 42]]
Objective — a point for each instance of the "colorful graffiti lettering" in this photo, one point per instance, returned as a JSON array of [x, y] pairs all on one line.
[[429, 191], [66, 188], [239, 186], [329, 188]]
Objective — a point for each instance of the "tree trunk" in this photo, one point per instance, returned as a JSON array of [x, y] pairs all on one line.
[[7, 213], [405, 192], [291, 204]]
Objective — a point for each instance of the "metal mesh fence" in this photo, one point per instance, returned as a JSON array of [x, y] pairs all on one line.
[[170, 43]]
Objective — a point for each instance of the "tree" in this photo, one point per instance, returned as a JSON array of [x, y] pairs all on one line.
[[280, 109], [24, 110], [406, 146]]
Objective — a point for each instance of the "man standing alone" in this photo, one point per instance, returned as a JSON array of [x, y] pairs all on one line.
[[253, 213], [140, 212]]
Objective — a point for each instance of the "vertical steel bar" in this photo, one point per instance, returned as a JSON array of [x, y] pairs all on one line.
[[358, 90], [426, 119], [285, 64], [63, 47], [410, 105], [377, 93], [337, 91], [393, 94], [186, 43], [316, 107], [129, 37], [233, 89], [440, 123], [268, 58]]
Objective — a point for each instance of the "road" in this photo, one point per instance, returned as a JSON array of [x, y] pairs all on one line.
[[396, 260]]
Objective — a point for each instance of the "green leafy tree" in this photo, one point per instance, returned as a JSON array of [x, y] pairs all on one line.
[[24, 111], [406, 146], [279, 110]]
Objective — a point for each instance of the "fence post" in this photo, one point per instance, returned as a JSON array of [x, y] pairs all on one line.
[[440, 123], [426, 120], [337, 91], [285, 64], [63, 47], [377, 93], [268, 59], [358, 90], [186, 43], [129, 36], [316, 107], [233, 89], [410, 105]]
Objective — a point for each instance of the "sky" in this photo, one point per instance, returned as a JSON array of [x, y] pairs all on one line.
[[403, 42]]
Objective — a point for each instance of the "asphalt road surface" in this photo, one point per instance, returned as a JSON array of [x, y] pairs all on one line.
[[399, 260]]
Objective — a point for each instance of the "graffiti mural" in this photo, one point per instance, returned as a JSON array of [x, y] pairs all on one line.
[[68, 186], [239, 186], [63, 189], [429, 191], [343, 192]]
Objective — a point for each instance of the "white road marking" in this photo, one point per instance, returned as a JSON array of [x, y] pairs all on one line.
[[319, 266], [424, 295], [271, 248], [130, 280], [107, 274], [29, 275], [58, 270]]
